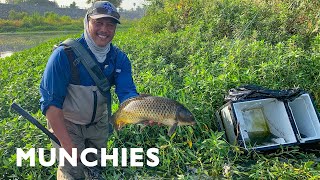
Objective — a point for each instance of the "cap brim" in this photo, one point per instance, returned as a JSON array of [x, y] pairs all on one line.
[[103, 16]]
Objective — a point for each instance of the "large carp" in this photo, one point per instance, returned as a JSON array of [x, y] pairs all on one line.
[[158, 109]]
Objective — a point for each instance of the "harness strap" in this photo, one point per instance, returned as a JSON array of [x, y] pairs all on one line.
[[75, 77], [95, 72]]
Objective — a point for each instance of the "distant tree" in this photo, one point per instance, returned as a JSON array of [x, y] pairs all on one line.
[[73, 5], [116, 3], [41, 2], [33, 2], [121, 10], [13, 15], [136, 13], [14, 1]]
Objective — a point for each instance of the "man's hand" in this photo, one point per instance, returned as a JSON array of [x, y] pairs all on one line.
[[57, 122], [68, 147]]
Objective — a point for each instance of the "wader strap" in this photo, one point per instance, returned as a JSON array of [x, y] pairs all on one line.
[[75, 77], [89, 63]]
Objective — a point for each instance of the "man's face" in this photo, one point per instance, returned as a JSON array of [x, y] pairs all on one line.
[[102, 30]]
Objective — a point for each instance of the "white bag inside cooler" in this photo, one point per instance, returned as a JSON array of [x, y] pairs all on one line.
[[305, 117], [264, 123]]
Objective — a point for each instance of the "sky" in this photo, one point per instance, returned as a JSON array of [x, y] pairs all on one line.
[[126, 4]]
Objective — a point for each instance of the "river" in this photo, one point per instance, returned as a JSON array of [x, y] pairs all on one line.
[[14, 42]]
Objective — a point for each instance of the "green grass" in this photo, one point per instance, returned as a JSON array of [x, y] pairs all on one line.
[[194, 66]]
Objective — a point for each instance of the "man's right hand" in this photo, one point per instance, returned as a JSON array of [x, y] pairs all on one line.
[[56, 120], [68, 147]]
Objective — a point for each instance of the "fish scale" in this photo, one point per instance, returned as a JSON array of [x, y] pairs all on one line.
[[158, 109]]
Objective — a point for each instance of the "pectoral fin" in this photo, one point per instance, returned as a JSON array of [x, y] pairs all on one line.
[[142, 127], [172, 129], [144, 123]]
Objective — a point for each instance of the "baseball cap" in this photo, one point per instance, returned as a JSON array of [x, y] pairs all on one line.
[[101, 9]]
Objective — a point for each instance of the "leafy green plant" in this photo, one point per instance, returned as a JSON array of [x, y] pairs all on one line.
[[222, 46]]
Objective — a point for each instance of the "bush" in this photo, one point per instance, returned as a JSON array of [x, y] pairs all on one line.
[[271, 21], [13, 15], [36, 22]]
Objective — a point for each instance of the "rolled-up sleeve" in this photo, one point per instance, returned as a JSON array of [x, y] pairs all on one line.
[[55, 80], [125, 87]]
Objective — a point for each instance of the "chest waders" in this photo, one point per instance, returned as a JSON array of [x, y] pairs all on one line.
[[73, 47]]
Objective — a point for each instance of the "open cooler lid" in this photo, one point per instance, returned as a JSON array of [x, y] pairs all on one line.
[[253, 92]]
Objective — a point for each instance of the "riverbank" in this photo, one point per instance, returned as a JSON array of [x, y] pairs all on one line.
[[11, 42], [25, 7], [36, 32], [18, 41]]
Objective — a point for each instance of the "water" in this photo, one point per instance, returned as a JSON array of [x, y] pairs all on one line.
[[14, 42], [5, 54]]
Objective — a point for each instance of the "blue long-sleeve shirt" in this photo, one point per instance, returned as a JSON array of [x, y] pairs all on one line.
[[58, 89]]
